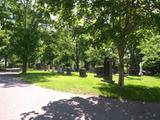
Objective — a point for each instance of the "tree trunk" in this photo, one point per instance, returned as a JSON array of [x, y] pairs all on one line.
[[24, 67], [77, 63], [6, 60], [134, 61], [121, 66], [86, 65], [77, 55]]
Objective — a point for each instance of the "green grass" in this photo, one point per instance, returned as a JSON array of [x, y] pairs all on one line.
[[145, 88]]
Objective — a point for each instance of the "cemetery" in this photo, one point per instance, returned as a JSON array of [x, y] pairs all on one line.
[[79, 59], [101, 82]]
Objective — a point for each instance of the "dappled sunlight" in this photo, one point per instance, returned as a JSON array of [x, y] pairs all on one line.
[[94, 108]]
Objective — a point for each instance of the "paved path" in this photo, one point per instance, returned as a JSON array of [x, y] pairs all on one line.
[[19, 101]]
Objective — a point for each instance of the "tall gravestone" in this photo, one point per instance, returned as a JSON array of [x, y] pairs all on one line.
[[68, 71], [73, 68], [48, 68], [107, 69], [53, 69], [141, 69]]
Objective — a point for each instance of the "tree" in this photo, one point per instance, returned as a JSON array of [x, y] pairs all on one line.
[[133, 52], [6, 24], [49, 47], [65, 47], [26, 34], [151, 52], [121, 19], [81, 44], [111, 20]]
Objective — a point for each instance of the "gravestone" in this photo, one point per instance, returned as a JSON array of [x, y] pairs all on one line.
[[60, 70], [115, 69], [68, 71], [39, 66], [82, 73], [99, 71], [73, 67], [91, 69], [45, 67], [107, 69], [48, 68], [141, 69], [53, 69], [134, 70]]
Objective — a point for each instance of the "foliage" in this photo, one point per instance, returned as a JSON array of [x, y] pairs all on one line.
[[65, 48], [4, 38], [97, 54], [26, 34], [150, 48], [47, 47]]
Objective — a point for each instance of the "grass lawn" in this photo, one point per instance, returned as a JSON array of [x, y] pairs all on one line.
[[145, 88]]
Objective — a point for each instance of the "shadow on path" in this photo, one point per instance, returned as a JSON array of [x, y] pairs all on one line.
[[9, 79], [94, 108]]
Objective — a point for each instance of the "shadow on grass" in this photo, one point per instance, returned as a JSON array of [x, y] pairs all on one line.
[[34, 77], [141, 78], [130, 92], [134, 77], [157, 77], [94, 108], [40, 77]]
